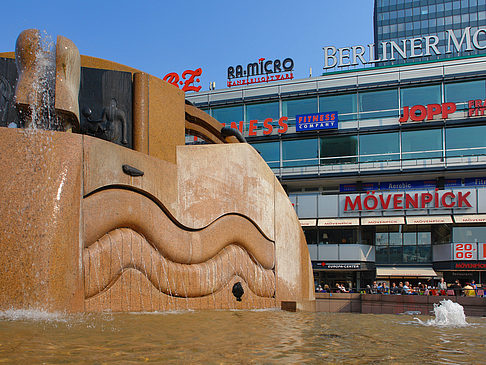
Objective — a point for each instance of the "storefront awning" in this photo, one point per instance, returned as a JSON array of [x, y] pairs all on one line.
[[308, 222], [471, 218], [336, 222], [429, 219], [374, 221], [400, 272]]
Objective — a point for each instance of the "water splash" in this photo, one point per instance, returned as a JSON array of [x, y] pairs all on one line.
[[447, 314], [32, 315]]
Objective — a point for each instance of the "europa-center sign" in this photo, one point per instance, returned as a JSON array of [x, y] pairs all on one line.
[[410, 48], [261, 71]]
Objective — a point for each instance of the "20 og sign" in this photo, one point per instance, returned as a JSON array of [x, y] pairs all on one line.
[[465, 251]]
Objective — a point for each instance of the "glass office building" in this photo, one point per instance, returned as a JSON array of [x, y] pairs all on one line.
[[396, 20], [396, 189]]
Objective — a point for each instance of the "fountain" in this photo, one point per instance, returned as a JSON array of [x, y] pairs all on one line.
[[110, 210], [447, 314]]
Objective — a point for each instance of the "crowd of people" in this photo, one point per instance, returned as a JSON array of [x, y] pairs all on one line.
[[405, 288]]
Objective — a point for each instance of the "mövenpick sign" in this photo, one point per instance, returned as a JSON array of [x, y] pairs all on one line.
[[409, 48], [405, 201]]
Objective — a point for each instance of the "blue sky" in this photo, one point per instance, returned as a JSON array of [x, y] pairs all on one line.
[[159, 37]]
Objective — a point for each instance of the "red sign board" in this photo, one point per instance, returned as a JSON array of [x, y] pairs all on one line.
[[418, 113], [189, 77]]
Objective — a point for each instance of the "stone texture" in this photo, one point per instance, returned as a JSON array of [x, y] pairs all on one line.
[[27, 52], [166, 119], [68, 72], [214, 180], [40, 220], [110, 209], [141, 112]]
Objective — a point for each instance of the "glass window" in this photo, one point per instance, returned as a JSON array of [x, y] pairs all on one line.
[[396, 255], [345, 105], [381, 237], [381, 255], [261, 111], [409, 254], [409, 235], [461, 92], [270, 152], [310, 236], [466, 141], [341, 235], [379, 147], [469, 234], [424, 143], [303, 152], [376, 104], [291, 108], [441, 234], [339, 149], [395, 238], [424, 254], [422, 95], [228, 114]]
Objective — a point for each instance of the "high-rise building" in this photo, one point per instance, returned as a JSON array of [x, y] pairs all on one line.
[[442, 21]]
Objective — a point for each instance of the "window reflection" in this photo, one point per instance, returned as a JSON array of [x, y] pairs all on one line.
[[377, 104], [345, 105], [228, 114], [293, 107], [303, 152], [465, 141], [339, 149], [270, 152], [421, 144], [379, 147]]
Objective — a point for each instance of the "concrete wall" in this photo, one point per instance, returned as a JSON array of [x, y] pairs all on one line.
[[393, 304]]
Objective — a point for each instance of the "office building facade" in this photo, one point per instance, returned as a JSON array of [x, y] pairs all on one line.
[[396, 20]]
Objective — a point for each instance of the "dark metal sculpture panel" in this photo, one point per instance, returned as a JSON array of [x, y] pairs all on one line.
[[8, 79], [105, 101]]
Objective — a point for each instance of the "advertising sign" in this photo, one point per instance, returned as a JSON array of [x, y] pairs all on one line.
[[261, 71], [316, 121], [420, 46], [465, 251], [481, 251]]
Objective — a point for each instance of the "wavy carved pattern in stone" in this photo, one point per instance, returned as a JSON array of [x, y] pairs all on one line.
[[121, 249], [107, 210], [133, 292]]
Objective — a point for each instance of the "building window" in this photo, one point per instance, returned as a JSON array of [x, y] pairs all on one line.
[[466, 141], [378, 104], [291, 108], [403, 244], [345, 105], [262, 111], [228, 114], [339, 150], [461, 92], [341, 235], [422, 95], [468, 234], [270, 152], [300, 152], [379, 147], [422, 144]]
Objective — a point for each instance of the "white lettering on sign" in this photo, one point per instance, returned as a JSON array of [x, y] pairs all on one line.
[[465, 251], [424, 46]]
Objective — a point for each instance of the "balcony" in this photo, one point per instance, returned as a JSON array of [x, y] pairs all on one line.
[[342, 252]]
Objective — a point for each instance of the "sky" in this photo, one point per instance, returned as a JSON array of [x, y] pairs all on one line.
[[159, 37]]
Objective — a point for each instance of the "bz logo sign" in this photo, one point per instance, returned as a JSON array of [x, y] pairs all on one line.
[[188, 79]]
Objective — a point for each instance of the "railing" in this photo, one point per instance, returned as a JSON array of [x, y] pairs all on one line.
[[370, 162]]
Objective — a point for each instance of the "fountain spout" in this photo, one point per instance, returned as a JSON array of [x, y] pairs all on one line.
[[46, 94]]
